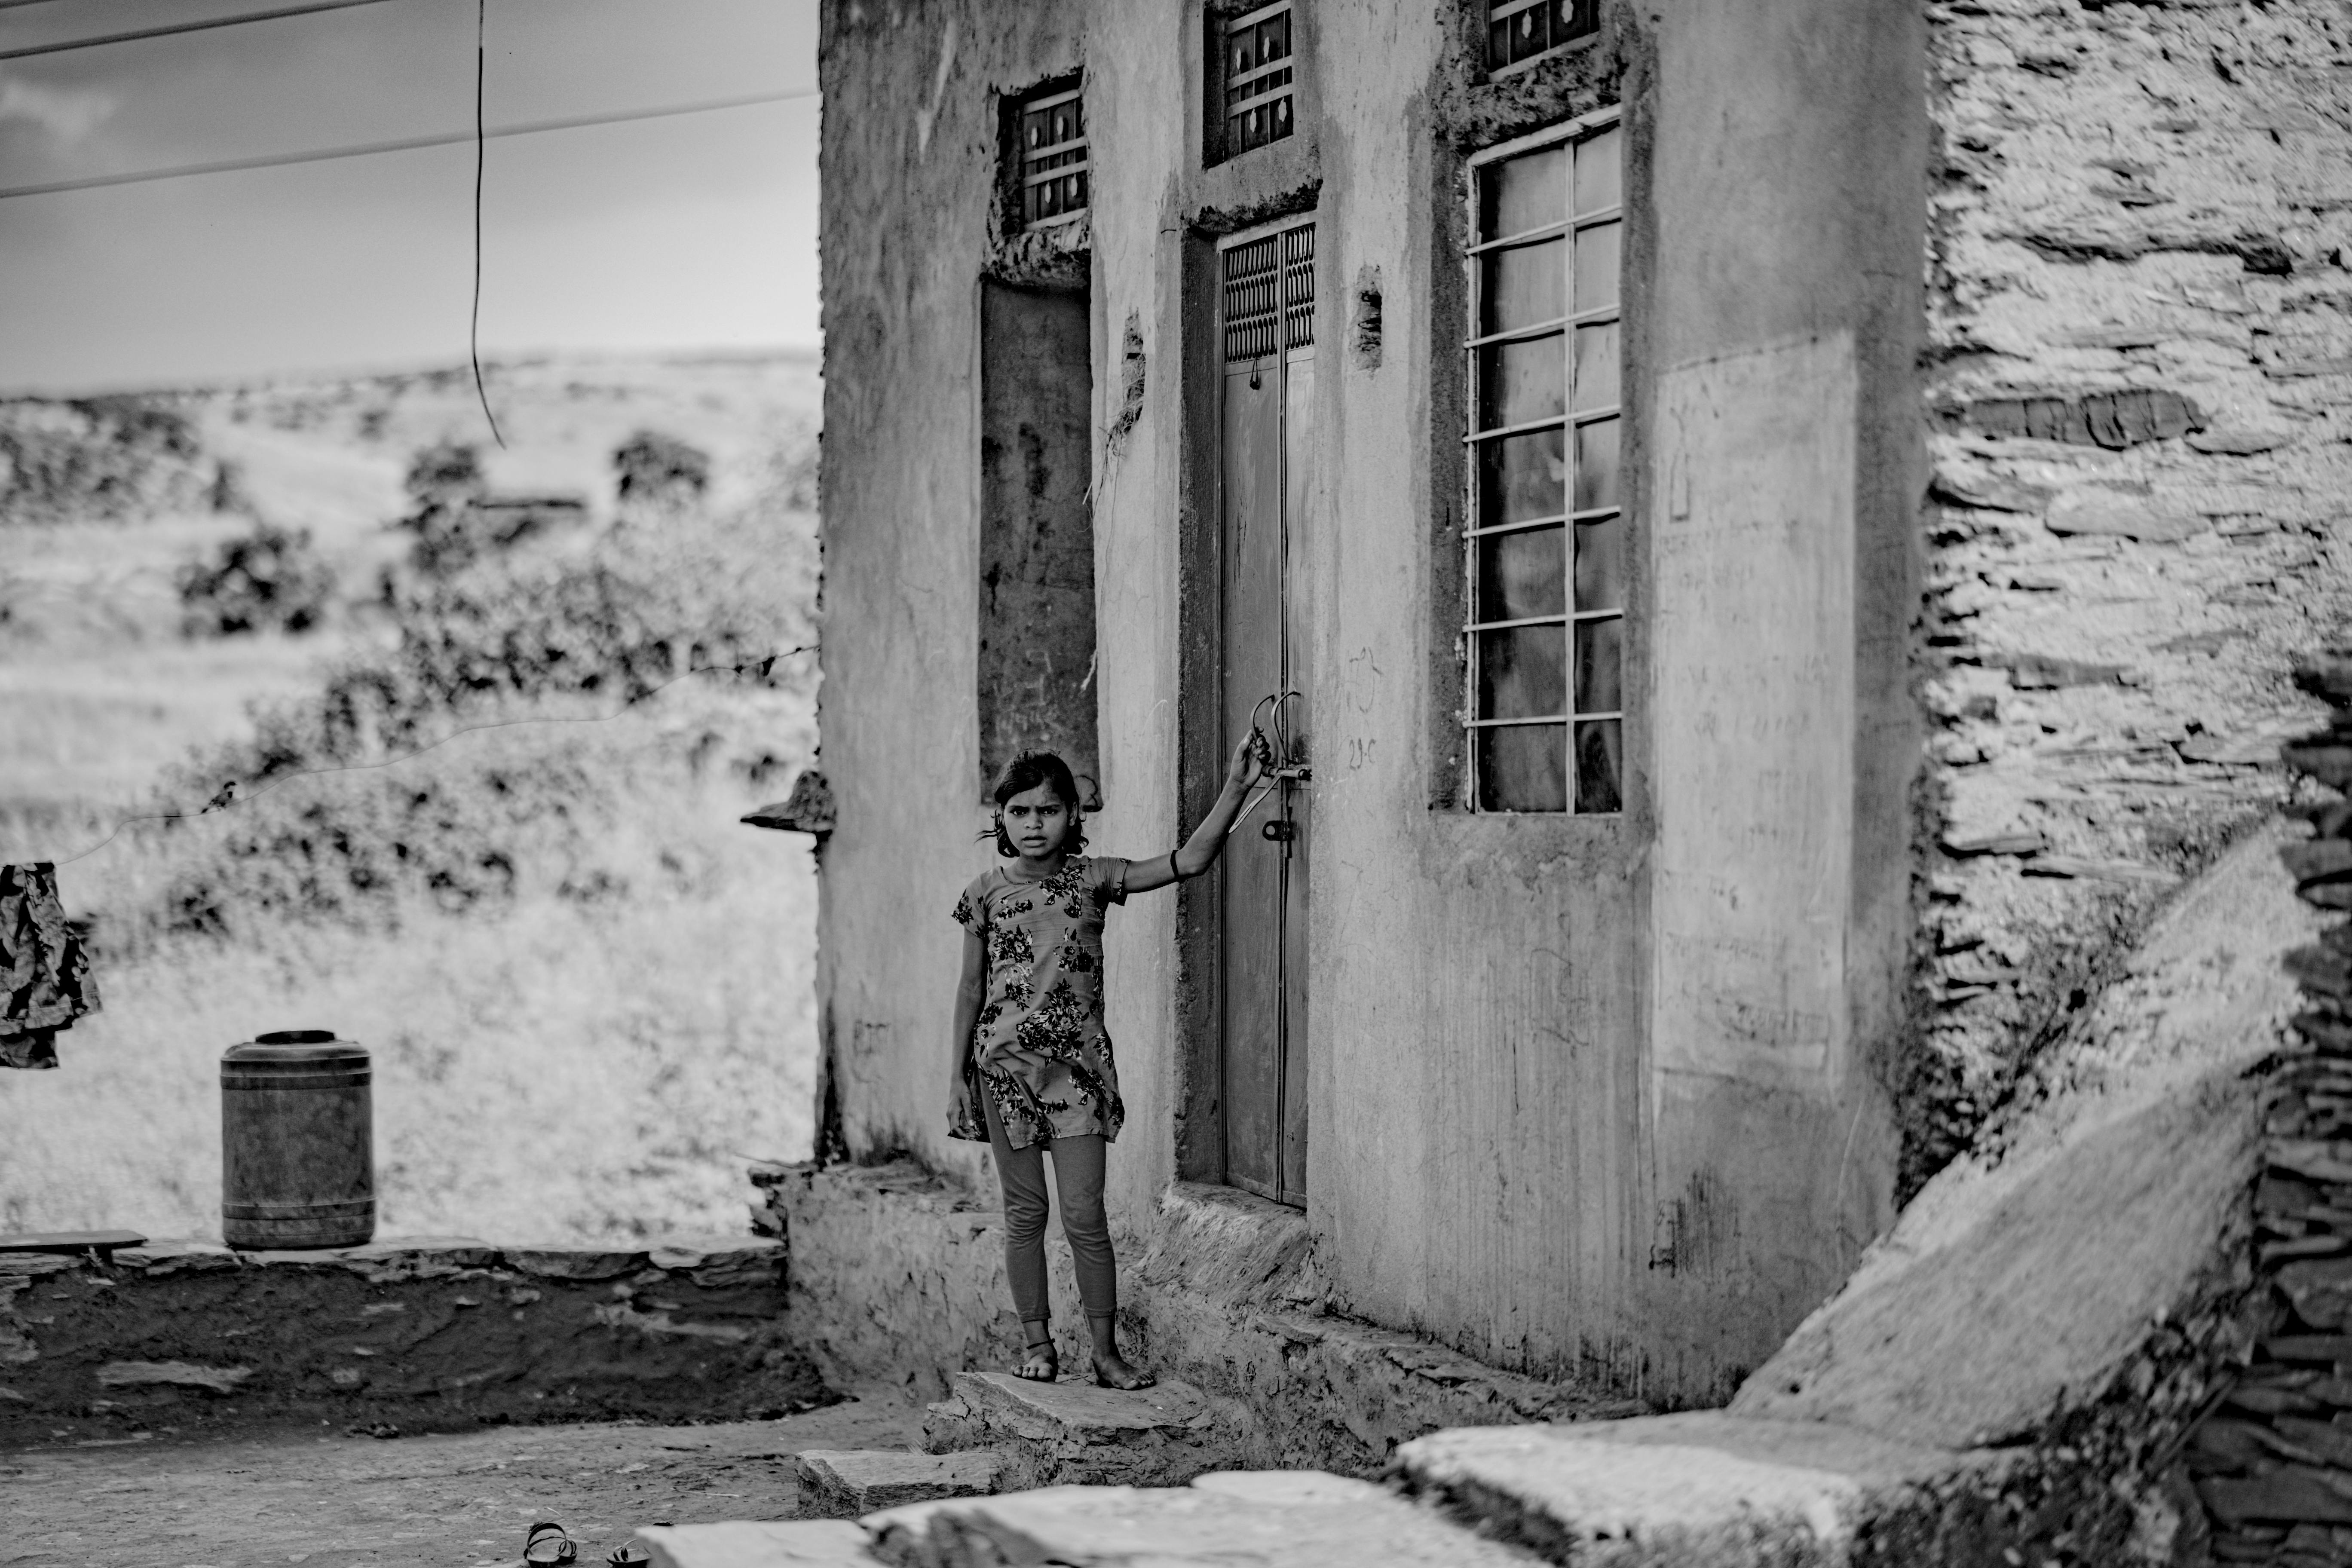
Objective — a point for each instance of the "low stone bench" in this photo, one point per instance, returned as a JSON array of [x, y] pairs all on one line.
[[432, 1333]]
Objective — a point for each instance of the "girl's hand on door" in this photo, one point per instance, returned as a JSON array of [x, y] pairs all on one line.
[[1249, 761]]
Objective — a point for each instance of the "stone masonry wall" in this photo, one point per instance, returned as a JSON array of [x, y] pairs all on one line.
[[400, 1336], [2140, 396], [2274, 1462]]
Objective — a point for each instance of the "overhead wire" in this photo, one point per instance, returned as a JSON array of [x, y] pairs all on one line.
[[481, 155], [28, 51], [402, 145], [230, 795]]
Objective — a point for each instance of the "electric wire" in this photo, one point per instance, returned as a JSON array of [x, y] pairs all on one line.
[[482, 154], [230, 795], [28, 51], [404, 144]]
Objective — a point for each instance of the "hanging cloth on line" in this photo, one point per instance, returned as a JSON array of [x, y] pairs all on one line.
[[45, 981]]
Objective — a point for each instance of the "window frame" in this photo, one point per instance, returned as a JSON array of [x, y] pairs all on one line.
[[1068, 90], [1222, 22], [1566, 134], [1502, 11]]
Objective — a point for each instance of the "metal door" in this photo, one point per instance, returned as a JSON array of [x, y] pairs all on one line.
[[1266, 472]]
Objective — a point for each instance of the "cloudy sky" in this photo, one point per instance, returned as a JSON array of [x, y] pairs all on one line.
[[694, 232]]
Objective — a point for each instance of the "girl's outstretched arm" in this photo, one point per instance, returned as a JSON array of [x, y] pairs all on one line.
[[1208, 841], [971, 990]]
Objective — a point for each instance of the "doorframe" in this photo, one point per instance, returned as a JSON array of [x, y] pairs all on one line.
[[1201, 747]]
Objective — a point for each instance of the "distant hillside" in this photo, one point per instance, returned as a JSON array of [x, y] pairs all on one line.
[[393, 653]]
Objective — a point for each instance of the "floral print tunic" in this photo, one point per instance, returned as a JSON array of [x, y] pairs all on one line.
[[1039, 1050]]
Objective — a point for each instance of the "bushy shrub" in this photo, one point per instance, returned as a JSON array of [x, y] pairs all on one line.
[[660, 470], [443, 485], [271, 579], [96, 459]]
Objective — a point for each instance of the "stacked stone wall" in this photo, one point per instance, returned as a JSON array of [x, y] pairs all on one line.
[[2140, 397], [2274, 1461], [421, 1335]]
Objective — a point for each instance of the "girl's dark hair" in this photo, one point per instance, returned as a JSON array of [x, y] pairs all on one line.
[[1026, 773]]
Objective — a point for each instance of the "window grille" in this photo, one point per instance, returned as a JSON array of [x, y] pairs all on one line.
[[1258, 71], [1519, 31], [1054, 165], [1547, 535], [1270, 294]]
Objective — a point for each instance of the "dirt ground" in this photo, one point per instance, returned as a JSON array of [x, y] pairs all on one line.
[[463, 1499]]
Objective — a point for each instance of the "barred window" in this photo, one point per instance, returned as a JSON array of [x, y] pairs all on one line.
[[1259, 79], [1055, 166], [1520, 31], [1547, 536]]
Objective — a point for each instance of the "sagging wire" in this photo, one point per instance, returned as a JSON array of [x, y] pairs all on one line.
[[481, 157], [230, 795], [1267, 751]]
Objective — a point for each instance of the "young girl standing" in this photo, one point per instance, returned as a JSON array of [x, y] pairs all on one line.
[[1031, 1067]]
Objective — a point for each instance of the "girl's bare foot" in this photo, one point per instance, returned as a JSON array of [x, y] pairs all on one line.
[[1111, 1369], [1111, 1372]]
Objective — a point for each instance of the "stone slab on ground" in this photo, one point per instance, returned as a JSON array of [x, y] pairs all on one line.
[[1299, 1519], [742, 1543], [848, 1483], [1700, 1490], [1072, 1432]]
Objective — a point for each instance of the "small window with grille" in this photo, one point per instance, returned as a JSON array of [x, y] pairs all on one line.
[[1547, 533], [1054, 168], [1258, 73], [1520, 32]]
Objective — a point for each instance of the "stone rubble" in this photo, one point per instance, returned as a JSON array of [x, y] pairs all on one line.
[[2274, 1461]]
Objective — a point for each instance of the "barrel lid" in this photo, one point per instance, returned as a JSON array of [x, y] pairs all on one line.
[[292, 1046]]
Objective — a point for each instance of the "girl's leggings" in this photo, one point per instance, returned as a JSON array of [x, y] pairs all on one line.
[[1078, 1173]]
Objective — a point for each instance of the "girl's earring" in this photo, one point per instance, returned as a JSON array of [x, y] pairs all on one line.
[[1004, 841]]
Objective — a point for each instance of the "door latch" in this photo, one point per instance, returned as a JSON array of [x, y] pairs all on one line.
[[1281, 830]]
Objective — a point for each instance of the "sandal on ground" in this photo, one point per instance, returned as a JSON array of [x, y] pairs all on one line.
[[547, 1543], [629, 1554], [1141, 1381], [1040, 1362]]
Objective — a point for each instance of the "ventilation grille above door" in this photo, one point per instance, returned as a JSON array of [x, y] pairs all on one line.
[[1270, 294]]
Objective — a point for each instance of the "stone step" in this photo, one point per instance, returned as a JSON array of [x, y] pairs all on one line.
[[1072, 1432], [845, 1483], [1701, 1487], [744, 1543], [1299, 1519]]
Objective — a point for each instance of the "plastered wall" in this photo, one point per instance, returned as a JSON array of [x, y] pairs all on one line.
[[1565, 1113]]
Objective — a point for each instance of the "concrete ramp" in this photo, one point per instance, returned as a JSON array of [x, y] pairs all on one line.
[[2023, 1280]]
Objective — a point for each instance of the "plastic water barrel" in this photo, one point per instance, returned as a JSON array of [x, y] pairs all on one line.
[[297, 1142]]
